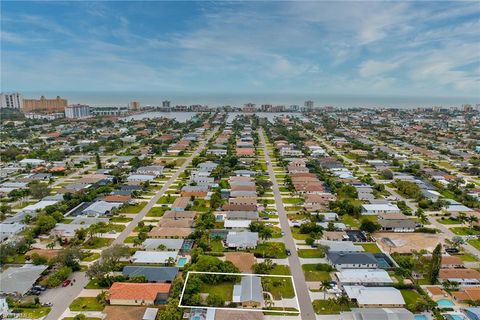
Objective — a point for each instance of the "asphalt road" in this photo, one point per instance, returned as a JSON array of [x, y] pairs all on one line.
[[306, 308], [63, 297]]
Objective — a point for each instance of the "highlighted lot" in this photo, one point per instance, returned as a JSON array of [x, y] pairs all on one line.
[[240, 291]]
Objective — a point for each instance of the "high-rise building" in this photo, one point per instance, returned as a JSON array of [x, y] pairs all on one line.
[[308, 104], [11, 100], [44, 105], [249, 107], [77, 111], [134, 106], [166, 104], [265, 107]]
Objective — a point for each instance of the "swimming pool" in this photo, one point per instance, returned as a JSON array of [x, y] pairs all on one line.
[[420, 317], [182, 261], [445, 303]]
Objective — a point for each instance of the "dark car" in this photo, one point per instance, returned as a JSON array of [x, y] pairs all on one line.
[[39, 288], [287, 251]]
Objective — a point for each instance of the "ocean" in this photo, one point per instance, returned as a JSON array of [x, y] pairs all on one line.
[[237, 99]]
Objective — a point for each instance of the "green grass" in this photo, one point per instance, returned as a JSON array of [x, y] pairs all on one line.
[[449, 221], [475, 243], [312, 274], [87, 318], [86, 304], [467, 257], [411, 298], [350, 221], [292, 200], [297, 235], [91, 257], [130, 208], [97, 243], [224, 290], [120, 219], [274, 250], [93, 284], [310, 253], [32, 313], [129, 239], [66, 221], [465, 231], [280, 269], [330, 307], [216, 246], [371, 247], [166, 200], [279, 287], [157, 211]]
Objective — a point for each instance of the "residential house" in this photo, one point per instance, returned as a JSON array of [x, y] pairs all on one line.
[[19, 280], [137, 294], [353, 260], [377, 314], [147, 257], [364, 277], [152, 274], [242, 240], [461, 276], [249, 293], [375, 297]]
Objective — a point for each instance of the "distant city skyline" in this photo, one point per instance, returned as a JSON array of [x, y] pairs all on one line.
[[408, 50]]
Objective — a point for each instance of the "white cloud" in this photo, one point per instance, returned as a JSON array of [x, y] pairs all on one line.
[[372, 68]]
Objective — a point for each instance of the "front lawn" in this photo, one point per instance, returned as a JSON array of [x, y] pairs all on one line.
[[279, 287], [467, 257], [32, 313], [97, 243], [91, 256], [449, 221], [93, 284], [330, 307], [121, 219], [86, 304], [475, 243], [465, 231], [292, 200], [132, 208], [157, 211], [312, 273], [273, 250], [310, 253], [280, 269]]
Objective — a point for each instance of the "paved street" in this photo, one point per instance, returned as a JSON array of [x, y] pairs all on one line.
[[62, 297], [306, 308]]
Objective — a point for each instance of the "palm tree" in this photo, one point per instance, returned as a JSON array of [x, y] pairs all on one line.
[[471, 220], [266, 233], [324, 286]]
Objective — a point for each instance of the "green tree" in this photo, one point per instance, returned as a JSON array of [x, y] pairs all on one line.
[[38, 190], [369, 226], [324, 286], [435, 264], [98, 161]]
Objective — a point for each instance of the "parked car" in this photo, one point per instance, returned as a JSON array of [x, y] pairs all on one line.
[[66, 283], [287, 251], [39, 288]]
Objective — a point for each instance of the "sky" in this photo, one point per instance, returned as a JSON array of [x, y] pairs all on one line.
[[367, 48]]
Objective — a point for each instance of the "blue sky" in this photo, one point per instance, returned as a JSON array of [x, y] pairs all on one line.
[[370, 48]]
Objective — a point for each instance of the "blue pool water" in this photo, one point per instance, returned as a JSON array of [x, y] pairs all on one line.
[[181, 262], [455, 317], [445, 303], [420, 317], [196, 318]]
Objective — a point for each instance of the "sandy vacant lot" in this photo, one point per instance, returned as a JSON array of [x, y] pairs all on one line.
[[124, 313], [407, 242]]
